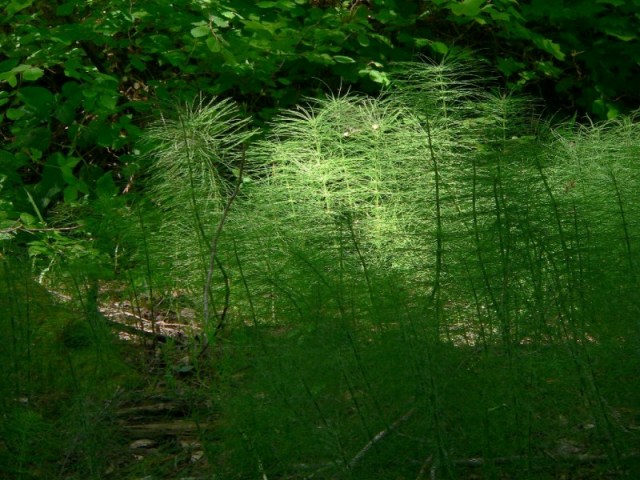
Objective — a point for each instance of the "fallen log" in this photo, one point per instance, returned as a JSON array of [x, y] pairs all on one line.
[[176, 428]]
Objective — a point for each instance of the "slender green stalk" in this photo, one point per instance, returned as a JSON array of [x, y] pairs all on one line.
[[213, 252], [438, 203], [625, 227]]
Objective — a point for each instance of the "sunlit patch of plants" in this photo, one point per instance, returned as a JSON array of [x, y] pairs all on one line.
[[429, 284], [385, 257]]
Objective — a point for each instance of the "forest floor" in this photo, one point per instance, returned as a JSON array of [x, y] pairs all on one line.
[[160, 406], [170, 427]]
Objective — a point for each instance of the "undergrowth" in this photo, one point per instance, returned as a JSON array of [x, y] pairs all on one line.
[[435, 283], [62, 369]]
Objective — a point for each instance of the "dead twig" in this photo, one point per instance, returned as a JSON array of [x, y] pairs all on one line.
[[425, 467], [575, 459], [378, 437]]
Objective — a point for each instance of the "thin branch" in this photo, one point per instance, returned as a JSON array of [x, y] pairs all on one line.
[[227, 294], [49, 229], [213, 252], [436, 172], [380, 436], [425, 467], [18, 226]]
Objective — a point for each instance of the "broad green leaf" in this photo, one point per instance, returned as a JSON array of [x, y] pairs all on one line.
[[20, 68], [106, 135], [499, 16], [628, 37], [439, 47], [322, 58], [32, 73], [82, 186], [213, 44], [220, 22], [63, 161], [8, 65], [229, 57], [108, 102], [38, 247], [38, 99], [28, 220], [378, 77], [612, 111], [66, 113], [363, 40], [105, 186], [34, 137], [140, 14], [467, 8], [89, 93], [175, 58], [200, 31], [551, 47], [36, 153], [548, 69], [73, 68], [343, 59], [8, 161], [70, 194], [138, 63], [527, 75], [509, 66], [15, 113]]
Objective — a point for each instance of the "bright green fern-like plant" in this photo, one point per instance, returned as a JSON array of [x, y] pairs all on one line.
[[197, 167], [419, 279]]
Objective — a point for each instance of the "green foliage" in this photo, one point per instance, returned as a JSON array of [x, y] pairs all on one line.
[[195, 159], [435, 274], [80, 78], [362, 403], [411, 282], [388, 240], [61, 367], [435, 183], [598, 39]]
